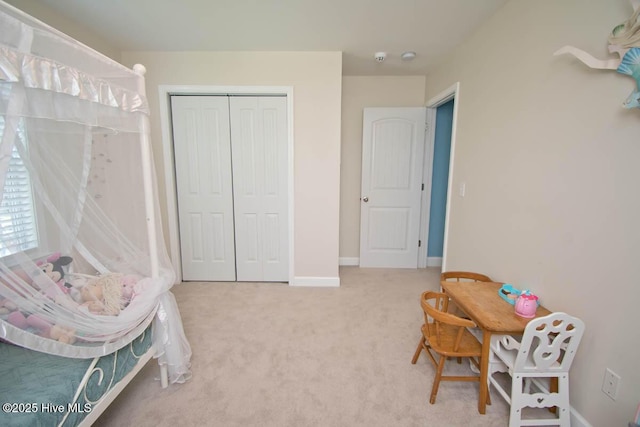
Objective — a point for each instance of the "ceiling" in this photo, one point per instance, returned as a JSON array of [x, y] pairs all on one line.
[[358, 28]]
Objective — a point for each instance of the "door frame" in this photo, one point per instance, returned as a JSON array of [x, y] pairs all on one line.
[[165, 92], [453, 92]]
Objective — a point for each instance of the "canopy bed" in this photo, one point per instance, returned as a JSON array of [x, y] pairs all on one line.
[[84, 275]]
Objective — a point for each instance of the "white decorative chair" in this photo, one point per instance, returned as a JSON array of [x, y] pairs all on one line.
[[541, 357]]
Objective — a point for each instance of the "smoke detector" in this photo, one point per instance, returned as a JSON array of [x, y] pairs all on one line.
[[380, 56], [408, 56]]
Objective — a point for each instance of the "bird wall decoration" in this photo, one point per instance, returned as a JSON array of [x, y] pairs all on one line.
[[624, 41]]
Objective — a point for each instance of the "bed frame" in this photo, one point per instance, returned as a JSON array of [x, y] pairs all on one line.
[[106, 399]]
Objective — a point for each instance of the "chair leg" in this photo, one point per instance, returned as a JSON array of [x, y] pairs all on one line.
[[564, 409], [418, 350], [436, 380], [515, 413]]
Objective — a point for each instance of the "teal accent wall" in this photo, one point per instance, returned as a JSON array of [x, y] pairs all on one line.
[[440, 178]]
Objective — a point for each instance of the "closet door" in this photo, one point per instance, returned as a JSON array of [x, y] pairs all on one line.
[[259, 152], [204, 185]]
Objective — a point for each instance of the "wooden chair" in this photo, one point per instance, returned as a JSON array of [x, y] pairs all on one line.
[[446, 335], [463, 276], [542, 358]]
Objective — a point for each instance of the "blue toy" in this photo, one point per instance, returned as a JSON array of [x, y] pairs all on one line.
[[510, 294]]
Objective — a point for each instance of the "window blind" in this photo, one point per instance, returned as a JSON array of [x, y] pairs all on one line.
[[18, 231]]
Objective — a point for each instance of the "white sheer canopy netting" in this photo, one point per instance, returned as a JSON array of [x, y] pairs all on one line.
[[83, 267]]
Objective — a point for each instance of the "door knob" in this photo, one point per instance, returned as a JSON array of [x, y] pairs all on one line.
[[365, 199]]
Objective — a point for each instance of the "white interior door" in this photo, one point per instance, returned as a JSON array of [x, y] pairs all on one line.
[[202, 152], [392, 162], [259, 152]]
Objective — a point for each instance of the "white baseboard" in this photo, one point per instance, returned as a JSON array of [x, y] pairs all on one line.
[[578, 420], [320, 282], [434, 261], [355, 261]]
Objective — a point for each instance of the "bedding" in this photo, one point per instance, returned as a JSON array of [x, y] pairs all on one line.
[[38, 389]]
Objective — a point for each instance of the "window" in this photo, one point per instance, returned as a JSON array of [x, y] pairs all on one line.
[[18, 231]]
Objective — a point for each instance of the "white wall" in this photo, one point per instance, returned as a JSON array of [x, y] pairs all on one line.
[[359, 92], [316, 80], [550, 162]]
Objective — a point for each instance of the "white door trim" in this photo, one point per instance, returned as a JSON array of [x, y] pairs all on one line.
[[425, 204], [446, 95], [165, 91]]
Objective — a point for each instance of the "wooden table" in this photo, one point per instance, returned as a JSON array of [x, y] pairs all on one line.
[[493, 315]]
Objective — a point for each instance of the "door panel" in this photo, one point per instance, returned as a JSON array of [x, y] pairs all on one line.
[[392, 161], [203, 179], [259, 151], [396, 220]]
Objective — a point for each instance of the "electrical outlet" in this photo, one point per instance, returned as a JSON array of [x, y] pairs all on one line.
[[611, 384]]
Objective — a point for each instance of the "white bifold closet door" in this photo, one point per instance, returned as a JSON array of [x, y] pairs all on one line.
[[259, 157], [231, 176]]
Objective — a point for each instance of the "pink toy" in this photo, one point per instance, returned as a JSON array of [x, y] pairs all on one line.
[[44, 328], [526, 305], [18, 320], [40, 324]]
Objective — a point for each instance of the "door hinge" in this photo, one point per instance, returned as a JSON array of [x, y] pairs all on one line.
[[419, 243], [422, 187]]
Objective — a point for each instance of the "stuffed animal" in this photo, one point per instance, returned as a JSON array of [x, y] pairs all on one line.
[[33, 322], [17, 319], [52, 283], [75, 284], [54, 270], [129, 282], [103, 295], [62, 334], [7, 306], [42, 328]]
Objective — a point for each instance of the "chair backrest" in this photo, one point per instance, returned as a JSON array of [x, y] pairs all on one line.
[[435, 300], [549, 343], [463, 276], [436, 318]]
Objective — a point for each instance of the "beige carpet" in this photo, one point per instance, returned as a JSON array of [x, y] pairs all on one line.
[[274, 355]]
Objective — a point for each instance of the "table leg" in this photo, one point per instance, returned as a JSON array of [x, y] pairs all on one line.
[[484, 371]]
